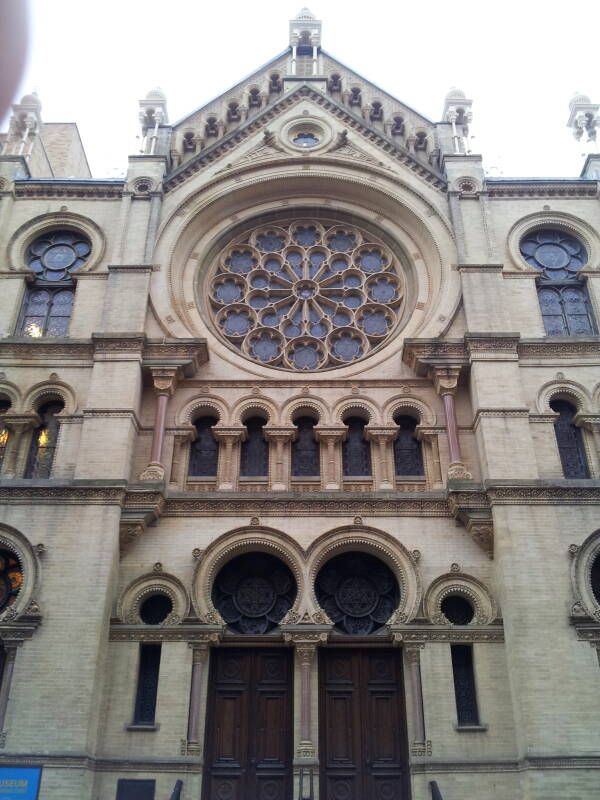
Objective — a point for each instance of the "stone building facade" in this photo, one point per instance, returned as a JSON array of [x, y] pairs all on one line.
[[300, 454]]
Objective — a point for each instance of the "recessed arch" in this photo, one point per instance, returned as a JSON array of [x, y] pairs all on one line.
[[563, 389], [16, 542], [304, 406], [357, 406], [254, 407], [585, 556], [148, 585], [51, 390], [203, 406], [462, 585], [410, 406]]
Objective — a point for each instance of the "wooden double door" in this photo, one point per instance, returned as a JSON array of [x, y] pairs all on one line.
[[363, 748], [249, 736]]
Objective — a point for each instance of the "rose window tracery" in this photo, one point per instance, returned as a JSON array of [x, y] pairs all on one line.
[[254, 592], [358, 592], [306, 295]]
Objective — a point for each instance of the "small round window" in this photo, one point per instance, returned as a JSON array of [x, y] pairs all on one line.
[[557, 254], [11, 578], [55, 255], [306, 139], [457, 609], [155, 609]]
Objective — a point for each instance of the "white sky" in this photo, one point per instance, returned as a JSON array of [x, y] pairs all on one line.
[[519, 60]]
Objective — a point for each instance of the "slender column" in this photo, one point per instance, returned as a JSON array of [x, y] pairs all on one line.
[[199, 657], [181, 440], [227, 438], [17, 427], [591, 423], [331, 438], [413, 657], [281, 439], [306, 655], [164, 381], [384, 467], [446, 382], [430, 437], [9, 665]]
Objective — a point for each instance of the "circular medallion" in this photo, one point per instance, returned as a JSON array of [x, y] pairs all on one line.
[[254, 596], [306, 294], [557, 254], [357, 596], [53, 256]]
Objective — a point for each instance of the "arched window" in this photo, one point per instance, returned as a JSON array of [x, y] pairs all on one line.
[[11, 578], [356, 450], [355, 96], [408, 456], [4, 407], [595, 578], [254, 458], [569, 440], [204, 452], [563, 297], [306, 460], [376, 111], [43, 442], [254, 98], [48, 302]]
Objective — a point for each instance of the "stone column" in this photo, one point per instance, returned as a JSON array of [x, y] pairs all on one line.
[[227, 471], [199, 659], [591, 424], [383, 461], [17, 425], [331, 457], [279, 457], [432, 460], [413, 659], [446, 382], [164, 381], [9, 665], [180, 446]]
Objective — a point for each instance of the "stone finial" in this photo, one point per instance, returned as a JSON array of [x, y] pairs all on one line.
[[584, 120], [457, 111], [153, 110]]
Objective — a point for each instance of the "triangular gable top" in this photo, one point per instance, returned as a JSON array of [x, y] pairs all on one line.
[[279, 64], [345, 116]]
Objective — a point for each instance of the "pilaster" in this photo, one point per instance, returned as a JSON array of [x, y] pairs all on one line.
[[331, 455]]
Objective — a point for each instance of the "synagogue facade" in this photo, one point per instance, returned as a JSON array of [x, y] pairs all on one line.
[[300, 446]]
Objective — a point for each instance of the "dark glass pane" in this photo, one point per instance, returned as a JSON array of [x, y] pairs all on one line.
[[569, 440], [595, 578], [46, 312], [579, 321], [254, 457], [356, 450], [358, 592], [145, 703], [53, 256], [204, 452], [43, 442], [557, 254], [3, 443], [305, 450], [11, 578], [254, 592], [408, 456], [464, 684], [134, 789], [156, 609], [457, 610]]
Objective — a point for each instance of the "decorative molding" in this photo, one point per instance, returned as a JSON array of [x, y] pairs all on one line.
[[83, 189], [504, 188], [21, 492], [571, 492], [205, 634], [410, 635], [560, 347]]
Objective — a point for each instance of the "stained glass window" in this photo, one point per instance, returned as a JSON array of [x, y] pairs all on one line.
[[253, 592], [254, 456], [46, 311], [4, 407], [55, 255], [204, 452], [43, 442], [305, 450], [569, 440], [563, 297], [306, 294], [358, 592], [11, 578], [465, 694], [408, 457], [147, 688], [356, 450]]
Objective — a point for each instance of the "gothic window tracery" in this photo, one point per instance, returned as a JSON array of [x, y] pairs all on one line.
[[408, 455], [204, 451], [563, 298], [253, 592], [358, 592], [570, 441], [306, 294], [356, 450], [305, 449], [43, 441], [254, 456]]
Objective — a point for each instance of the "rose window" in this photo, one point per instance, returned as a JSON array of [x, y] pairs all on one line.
[[54, 256], [358, 592], [559, 255], [11, 578], [306, 295], [254, 592]]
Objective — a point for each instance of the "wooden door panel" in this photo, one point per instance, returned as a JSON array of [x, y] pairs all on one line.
[[230, 740], [270, 721], [340, 715]]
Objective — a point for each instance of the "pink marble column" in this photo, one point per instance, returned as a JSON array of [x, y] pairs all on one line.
[[451, 427], [164, 380], [446, 383]]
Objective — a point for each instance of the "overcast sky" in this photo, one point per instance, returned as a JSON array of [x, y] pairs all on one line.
[[519, 60]]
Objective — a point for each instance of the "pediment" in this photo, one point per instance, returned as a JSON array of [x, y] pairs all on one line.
[[355, 139]]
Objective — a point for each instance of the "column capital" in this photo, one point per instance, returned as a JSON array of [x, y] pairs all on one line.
[[379, 434], [283, 434], [164, 379], [230, 434], [21, 422], [200, 652], [337, 434], [445, 379]]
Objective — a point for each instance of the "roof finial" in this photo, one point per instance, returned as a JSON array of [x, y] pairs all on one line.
[[305, 39]]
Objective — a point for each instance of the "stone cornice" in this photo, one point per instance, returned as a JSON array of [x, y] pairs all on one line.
[[541, 188], [429, 766], [200, 633], [417, 634], [540, 492], [560, 347], [228, 142], [27, 492], [88, 189], [185, 765]]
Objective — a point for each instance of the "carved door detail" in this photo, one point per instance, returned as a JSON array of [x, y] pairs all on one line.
[[362, 728], [248, 749]]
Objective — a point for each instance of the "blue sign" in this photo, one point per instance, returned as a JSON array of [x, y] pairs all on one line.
[[20, 783]]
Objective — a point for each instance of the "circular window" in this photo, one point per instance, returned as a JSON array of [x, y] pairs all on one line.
[[595, 578], [306, 295], [155, 609], [254, 592], [559, 255], [53, 256], [11, 578], [457, 609], [306, 139], [358, 592]]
